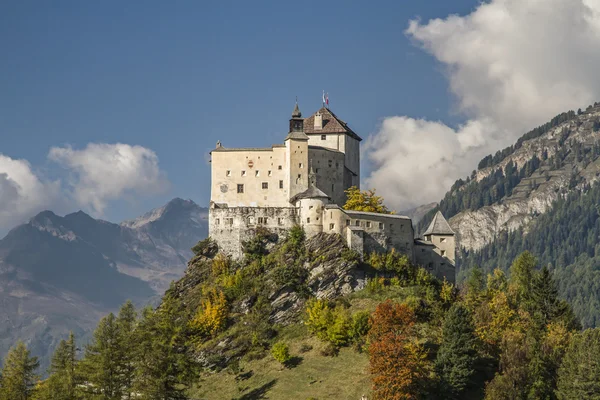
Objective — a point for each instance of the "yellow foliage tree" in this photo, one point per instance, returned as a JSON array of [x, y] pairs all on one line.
[[212, 313], [365, 200]]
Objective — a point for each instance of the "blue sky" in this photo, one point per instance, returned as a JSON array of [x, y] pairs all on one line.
[[175, 77]]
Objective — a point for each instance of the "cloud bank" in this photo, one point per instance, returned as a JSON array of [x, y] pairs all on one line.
[[98, 174], [511, 65], [104, 172]]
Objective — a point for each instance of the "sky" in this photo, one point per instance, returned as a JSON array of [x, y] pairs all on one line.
[[113, 107]]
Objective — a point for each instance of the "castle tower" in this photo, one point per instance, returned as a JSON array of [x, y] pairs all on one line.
[[296, 144], [311, 204], [441, 236]]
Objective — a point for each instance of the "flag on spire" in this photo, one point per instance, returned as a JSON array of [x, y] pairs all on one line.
[[327, 100], [323, 98]]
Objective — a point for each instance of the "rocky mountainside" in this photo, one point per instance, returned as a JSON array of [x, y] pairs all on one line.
[[63, 273], [512, 187]]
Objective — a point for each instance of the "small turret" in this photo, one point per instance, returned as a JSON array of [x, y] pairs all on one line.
[[296, 122]]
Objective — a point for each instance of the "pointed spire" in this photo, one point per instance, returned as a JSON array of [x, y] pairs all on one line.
[[296, 113], [439, 226]]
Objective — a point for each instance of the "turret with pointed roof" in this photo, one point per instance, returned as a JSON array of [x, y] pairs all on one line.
[[296, 125], [438, 226]]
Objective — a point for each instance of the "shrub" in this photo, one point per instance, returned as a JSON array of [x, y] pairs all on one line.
[[375, 285], [304, 348], [360, 324], [318, 317], [206, 247], [220, 265], [212, 314], [281, 352], [329, 350], [338, 333]]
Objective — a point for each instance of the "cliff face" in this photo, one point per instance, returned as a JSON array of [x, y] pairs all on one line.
[[564, 158], [328, 272]]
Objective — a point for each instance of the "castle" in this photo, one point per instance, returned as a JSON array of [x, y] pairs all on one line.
[[303, 182]]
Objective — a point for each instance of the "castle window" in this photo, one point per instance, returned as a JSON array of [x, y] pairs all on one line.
[[331, 227], [263, 220], [240, 188], [243, 173], [357, 223], [332, 187], [368, 224], [251, 220], [347, 222], [308, 220], [229, 221], [337, 164], [310, 207], [443, 253], [265, 185], [316, 170], [279, 167], [228, 173], [280, 184], [330, 163], [217, 221], [381, 225], [299, 176], [323, 137], [279, 221], [269, 173], [300, 165], [257, 173], [442, 240]]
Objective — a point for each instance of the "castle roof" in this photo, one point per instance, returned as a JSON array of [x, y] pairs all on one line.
[[331, 124], [312, 192], [439, 226]]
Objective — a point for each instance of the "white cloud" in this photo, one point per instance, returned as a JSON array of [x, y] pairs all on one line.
[[104, 172], [22, 192], [512, 65]]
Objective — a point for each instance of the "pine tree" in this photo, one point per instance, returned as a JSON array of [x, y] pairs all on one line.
[[100, 366], [18, 374], [126, 324], [62, 383], [580, 369], [163, 368], [456, 358], [521, 276]]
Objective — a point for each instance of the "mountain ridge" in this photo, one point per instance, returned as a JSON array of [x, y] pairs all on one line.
[[61, 273]]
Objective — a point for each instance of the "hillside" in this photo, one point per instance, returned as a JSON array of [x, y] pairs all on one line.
[[301, 318], [517, 183], [63, 273]]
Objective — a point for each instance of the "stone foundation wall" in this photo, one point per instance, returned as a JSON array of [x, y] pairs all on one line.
[[230, 227]]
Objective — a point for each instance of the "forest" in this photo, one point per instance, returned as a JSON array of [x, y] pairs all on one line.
[[500, 335]]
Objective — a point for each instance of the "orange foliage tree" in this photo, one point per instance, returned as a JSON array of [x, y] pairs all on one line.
[[397, 362]]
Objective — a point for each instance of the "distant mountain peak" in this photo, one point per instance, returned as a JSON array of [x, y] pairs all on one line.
[[174, 209]]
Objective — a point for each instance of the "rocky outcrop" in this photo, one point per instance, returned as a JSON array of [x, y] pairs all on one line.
[[535, 194]]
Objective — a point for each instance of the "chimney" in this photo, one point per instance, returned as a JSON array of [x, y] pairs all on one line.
[[318, 121]]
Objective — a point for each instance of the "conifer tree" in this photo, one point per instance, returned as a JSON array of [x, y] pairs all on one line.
[[522, 272], [126, 324], [580, 369], [62, 383], [18, 374], [163, 369], [100, 366], [456, 358]]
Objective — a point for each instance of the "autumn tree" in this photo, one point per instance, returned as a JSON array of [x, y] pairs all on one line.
[[18, 374], [365, 200], [397, 362]]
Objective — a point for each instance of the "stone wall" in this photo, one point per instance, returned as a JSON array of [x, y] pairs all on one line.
[[230, 227], [428, 257]]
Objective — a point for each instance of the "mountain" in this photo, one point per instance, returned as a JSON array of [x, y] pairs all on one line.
[[64, 273], [416, 214], [538, 195]]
